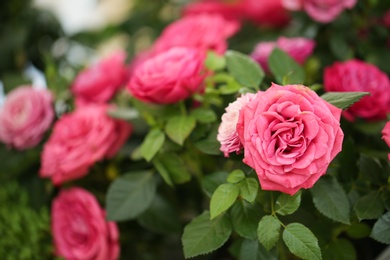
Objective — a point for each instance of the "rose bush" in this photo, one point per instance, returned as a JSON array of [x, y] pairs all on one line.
[[290, 135], [79, 227], [79, 139], [25, 116]]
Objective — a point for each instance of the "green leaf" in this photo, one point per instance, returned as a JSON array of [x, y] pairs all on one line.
[[123, 113], [211, 182], [301, 241], [178, 128], [214, 61], [245, 218], [160, 217], [204, 115], [172, 168], [268, 231], [236, 176], [330, 199], [286, 204], [358, 230], [152, 143], [224, 197], [248, 189], [209, 146], [252, 250], [244, 69], [370, 169], [381, 229], [370, 206], [130, 195], [340, 249], [285, 69], [343, 100], [202, 235]]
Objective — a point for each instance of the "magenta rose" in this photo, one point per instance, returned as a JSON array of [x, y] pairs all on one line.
[[169, 77], [227, 133], [79, 139], [25, 116], [323, 11], [98, 83], [355, 75], [80, 230], [266, 12], [386, 135], [229, 11], [290, 135], [195, 31], [298, 48]]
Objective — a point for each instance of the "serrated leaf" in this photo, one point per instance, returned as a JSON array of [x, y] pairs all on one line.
[[381, 229], [245, 218], [178, 128], [340, 249], [286, 204], [252, 250], [369, 206], [202, 235], [130, 195], [215, 61], [248, 189], [301, 241], [236, 176], [343, 100], [244, 69], [204, 115], [268, 231], [285, 69], [152, 143], [172, 168], [160, 217], [211, 182], [330, 199], [223, 198]]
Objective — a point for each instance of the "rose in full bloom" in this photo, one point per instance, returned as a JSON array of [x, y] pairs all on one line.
[[80, 231], [79, 139], [98, 83], [290, 135], [386, 135], [169, 77], [227, 133], [355, 75], [299, 48], [25, 116], [195, 31], [323, 11]]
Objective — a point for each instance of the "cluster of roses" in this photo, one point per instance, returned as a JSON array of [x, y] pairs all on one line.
[[288, 133]]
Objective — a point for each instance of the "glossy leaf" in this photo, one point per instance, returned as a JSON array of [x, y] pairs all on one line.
[[223, 198], [286, 204], [236, 176], [343, 100], [248, 189]]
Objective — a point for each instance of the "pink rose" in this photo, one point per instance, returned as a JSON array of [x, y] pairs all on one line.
[[266, 12], [98, 83], [290, 135], [80, 231], [229, 11], [298, 48], [354, 75], [195, 31], [227, 133], [79, 139], [25, 116], [323, 11], [386, 135], [169, 77]]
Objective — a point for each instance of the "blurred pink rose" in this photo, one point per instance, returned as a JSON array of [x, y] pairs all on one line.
[[324, 11], [299, 48], [79, 139], [169, 77], [290, 135], [227, 133], [386, 19], [229, 10], [386, 135], [98, 83], [196, 31], [25, 116], [80, 230], [355, 75], [266, 12]]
